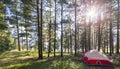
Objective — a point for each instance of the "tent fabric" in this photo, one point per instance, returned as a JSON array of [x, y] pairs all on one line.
[[94, 57], [93, 54]]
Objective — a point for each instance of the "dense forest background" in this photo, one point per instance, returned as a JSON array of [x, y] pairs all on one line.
[[72, 26]]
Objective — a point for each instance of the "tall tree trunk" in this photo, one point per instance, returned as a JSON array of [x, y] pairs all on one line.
[[85, 28], [99, 30], [18, 33], [22, 40], [26, 39], [18, 37], [22, 44], [95, 39], [78, 41], [66, 42], [104, 46], [99, 37], [49, 48], [71, 41], [71, 44], [40, 55], [108, 42], [61, 28], [55, 29], [85, 39], [111, 44], [111, 35], [117, 48], [75, 28]]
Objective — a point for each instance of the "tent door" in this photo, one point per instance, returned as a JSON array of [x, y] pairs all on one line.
[[98, 62]]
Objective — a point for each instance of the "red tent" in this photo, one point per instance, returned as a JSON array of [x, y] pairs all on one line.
[[94, 57]]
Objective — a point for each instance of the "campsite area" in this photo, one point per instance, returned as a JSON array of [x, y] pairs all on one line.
[[29, 60], [59, 34]]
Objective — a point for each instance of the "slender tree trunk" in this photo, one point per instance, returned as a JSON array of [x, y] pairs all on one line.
[[104, 46], [22, 44], [61, 29], [99, 34], [49, 48], [85, 28], [55, 29], [18, 33], [108, 42], [22, 40], [85, 40], [78, 42], [26, 39], [94, 39], [40, 55], [69, 44], [111, 39], [41, 29], [71, 41], [117, 48], [66, 44], [111, 35], [18, 38], [75, 28]]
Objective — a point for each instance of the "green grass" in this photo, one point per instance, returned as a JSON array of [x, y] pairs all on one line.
[[51, 63], [28, 60], [18, 54]]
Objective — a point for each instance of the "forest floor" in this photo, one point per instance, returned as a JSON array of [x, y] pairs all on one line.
[[29, 60]]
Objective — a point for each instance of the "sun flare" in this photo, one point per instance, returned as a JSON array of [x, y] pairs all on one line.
[[92, 13]]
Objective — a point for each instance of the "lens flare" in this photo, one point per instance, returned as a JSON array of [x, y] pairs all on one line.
[[91, 13]]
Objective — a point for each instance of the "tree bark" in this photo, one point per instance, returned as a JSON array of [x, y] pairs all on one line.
[[75, 29], [26, 36], [18, 33], [61, 29], [117, 48], [40, 55], [55, 29]]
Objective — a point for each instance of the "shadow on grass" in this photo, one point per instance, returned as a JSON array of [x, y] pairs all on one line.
[[54, 63], [38, 64]]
